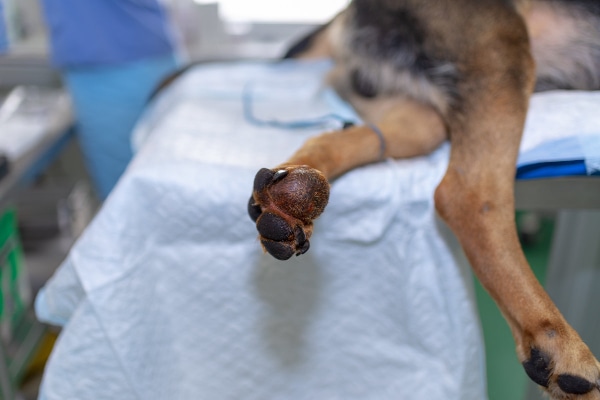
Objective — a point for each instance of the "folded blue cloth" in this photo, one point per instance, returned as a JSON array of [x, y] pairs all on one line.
[[562, 157], [562, 136]]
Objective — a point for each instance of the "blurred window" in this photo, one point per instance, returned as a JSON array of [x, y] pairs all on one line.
[[278, 11]]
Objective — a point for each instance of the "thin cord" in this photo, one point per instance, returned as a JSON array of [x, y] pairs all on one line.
[[305, 123], [322, 121], [382, 145]]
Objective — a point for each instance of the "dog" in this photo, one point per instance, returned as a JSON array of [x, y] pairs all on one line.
[[421, 72]]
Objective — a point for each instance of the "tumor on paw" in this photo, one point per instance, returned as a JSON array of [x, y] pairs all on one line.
[[302, 193], [283, 205]]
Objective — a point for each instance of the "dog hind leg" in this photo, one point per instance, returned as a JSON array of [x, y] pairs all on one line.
[[476, 199]]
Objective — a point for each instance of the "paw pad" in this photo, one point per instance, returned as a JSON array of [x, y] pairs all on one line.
[[574, 385], [538, 368], [274, 227], [281, 251]]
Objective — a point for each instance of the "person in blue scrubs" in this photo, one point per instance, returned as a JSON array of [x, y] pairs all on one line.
[[3, 32], [112, 54]]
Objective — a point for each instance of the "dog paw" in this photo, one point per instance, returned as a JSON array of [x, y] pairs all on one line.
[[563, 366], [283, 204]]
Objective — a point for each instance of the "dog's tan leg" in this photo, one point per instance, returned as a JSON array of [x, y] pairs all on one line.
[[286, 199], [409, 129], [476, 199]]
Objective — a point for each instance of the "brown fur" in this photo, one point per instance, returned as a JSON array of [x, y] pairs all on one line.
[[483, 56]]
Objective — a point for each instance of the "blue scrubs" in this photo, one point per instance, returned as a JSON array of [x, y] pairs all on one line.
[[112, 54], [3, 33]]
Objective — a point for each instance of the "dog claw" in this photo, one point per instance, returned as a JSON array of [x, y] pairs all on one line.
[[304, 248], [279, 175], [300, 235], [254, 209]]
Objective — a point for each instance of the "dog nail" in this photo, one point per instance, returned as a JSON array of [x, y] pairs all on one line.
[[538, 368], [279, 175], [253, 209], [273, 227], [304, 248], [262, 179], [573, 384], [300, 235], [302, 244]]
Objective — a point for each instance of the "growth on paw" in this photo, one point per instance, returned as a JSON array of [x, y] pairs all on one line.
[[283, 205]]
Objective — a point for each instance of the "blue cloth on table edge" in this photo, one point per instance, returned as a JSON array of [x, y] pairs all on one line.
[[535, 163], [553, 169]]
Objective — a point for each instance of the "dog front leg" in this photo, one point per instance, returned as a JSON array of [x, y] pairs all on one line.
[[286, 199]]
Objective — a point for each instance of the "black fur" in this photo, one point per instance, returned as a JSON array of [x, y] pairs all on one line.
[[362, 85], [391, 34], [387, 32]]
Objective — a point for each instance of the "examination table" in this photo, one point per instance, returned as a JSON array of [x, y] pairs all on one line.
[[168, 295]]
